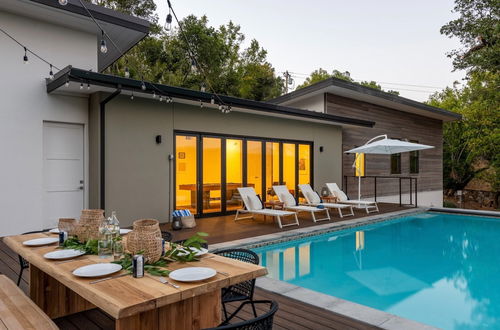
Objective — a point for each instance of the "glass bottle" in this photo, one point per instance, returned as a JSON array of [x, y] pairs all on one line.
[[114, 225], [105, 243]]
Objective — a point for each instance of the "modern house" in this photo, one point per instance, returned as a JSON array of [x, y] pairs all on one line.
[[89, 140]]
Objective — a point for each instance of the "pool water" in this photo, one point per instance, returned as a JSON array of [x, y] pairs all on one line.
[[438, 269]]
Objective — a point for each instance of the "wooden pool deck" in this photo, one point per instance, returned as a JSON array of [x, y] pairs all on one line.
[[292, 314]]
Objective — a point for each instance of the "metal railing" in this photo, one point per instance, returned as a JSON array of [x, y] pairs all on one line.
[[413, 185]]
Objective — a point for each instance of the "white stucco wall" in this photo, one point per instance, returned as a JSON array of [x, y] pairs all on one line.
[[25, 105]]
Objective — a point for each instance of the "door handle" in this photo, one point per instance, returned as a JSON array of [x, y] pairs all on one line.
[[81, 187]]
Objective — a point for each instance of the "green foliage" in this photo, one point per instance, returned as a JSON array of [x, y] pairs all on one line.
[[449, 204], [322, 74], [186, 252], [478, 29], [475, 139], [229, 69], [90, 247]]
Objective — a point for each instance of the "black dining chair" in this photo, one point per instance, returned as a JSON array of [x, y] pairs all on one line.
[[180, 242], [241, 291], [262, 322], [23, 262], [167, 236]]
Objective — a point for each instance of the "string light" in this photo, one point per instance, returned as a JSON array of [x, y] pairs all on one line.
[[194, 68], [212, 100], [51, 73], [201, 104], [88, 86], [63, 2], [154, 95], [132, 96], [81, 85], [168, 21], [161, 98], [203, 88], [25, 57], [143, 85], [104, 48], [66, 84]]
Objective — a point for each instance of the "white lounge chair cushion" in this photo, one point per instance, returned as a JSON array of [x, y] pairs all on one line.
[[273, 212], [341, 195], [335, 205], [288, 199], [352, 201], [313, 197], [305, 208], [254, 202]]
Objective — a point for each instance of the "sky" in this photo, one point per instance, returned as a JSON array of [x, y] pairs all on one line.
[[394, 42]]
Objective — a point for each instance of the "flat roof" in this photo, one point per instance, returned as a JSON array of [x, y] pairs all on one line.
[[110, 83], [125, 30], [366, 94]]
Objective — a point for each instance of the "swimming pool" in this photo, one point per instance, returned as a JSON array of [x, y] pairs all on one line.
[[434, 268]]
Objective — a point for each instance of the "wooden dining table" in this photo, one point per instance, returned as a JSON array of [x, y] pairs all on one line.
[[135, 303]]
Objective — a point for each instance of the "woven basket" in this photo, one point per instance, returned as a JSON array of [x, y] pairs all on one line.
[[68, 225], [145, 237], [88, 226]]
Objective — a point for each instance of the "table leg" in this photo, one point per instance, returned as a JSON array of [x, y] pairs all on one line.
[[203, 311], [54, 298]]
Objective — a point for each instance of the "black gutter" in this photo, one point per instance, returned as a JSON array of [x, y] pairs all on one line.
[[111, 81], [335, 82], [100, 13], [102, 141]]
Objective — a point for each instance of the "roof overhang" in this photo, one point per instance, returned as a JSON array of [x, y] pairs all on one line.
[[366, 94], [108, 83], [125, 30]]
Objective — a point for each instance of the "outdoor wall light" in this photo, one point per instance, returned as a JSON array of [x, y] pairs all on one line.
[[158, 139], [321, 149]]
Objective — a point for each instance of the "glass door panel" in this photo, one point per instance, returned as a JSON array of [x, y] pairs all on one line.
[[234, 173], [289, 166], [186, 172], [272, 168], [304, 166], [212, 181], [254, 165]]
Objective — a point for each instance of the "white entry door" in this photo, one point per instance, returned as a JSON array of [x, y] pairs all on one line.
[[63, 172]]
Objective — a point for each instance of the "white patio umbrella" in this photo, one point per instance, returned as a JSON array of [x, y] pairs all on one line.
[[384, 146]]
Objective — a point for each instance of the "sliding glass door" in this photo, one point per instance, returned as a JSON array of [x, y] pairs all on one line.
[[209, 170]]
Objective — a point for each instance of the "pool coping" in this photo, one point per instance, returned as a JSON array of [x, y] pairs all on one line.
[[365, 314]]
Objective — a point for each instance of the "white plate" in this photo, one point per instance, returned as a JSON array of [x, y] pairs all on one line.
[[54, 231], [199, 252], [192, 274], [97, 270], [125, 231], [63, 254], [41, 241]]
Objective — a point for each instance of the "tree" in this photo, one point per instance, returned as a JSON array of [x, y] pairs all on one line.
[[472, 145], [478, 29], [321, 74], [221, 63]]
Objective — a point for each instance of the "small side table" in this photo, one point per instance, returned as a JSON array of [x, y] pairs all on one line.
[[330, 199], [274, 204]]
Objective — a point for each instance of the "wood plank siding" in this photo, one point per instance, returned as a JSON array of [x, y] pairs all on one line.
[[396, 124]]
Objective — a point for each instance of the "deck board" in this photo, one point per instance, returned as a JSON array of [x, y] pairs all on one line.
[[292, 314]]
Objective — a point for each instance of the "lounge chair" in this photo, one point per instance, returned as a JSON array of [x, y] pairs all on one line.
[[314, 199], [369, 206], [290, 203], [253, 205]]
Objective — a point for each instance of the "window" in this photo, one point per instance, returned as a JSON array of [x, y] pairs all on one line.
[[396, 164], [414, 160]]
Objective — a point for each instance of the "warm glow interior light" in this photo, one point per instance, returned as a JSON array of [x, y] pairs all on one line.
[[185, 165], [234, 172], [212, 166], [289, 166], [254, 165]]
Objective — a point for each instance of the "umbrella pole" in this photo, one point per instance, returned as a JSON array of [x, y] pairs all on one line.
[[359, 190]]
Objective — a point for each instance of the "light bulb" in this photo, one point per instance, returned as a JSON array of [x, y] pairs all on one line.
[[132, 96], [63, 2], [81, 85], [194, 69], [168, 22], [127, 73], [201, 104], [25, 57], [154, 95], [67, 83], [143, 86], [212, 100], [104, 48], [51, 73], [203, 88], [161, 98], [88, 86]]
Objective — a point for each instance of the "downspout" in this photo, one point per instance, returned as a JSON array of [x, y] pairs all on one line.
[[102, 123]]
